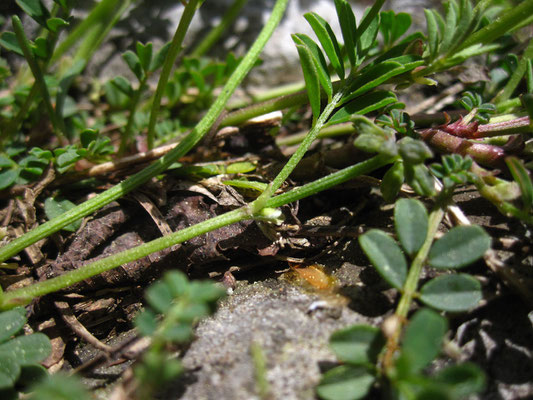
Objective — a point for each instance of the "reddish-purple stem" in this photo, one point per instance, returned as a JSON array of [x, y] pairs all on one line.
[[484, 154], [474, 130]]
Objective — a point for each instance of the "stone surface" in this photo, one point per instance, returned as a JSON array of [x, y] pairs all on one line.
[[282, 321]]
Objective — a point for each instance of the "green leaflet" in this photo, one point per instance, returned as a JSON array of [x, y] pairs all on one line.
[[312, 82], [375, 75], [459, 247], [454, 293], [348, 28], [328, 41], [386, 256], [318, 60], [411, 224]]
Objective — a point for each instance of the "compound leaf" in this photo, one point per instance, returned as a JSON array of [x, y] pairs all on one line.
[[60, 387], [55, 24], [123, 85], [159, 297], [144, 52], [433, 33], [134, 63], [159, 58], [462, 380], [392, 182], [8, 40]]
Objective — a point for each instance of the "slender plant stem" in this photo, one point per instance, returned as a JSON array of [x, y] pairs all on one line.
[[411, 283], [330, 131], [329, 181], [215, 33], [510, 104], [298, 155], [165, 161], [410, 286], [57, 123], [173, 51], [24, 295]]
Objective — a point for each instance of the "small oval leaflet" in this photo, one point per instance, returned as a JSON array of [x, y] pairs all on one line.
[[358, 344], [11, 322], [28, 349], [455, 293], [345, 383], [422, 339], [459, 247], [411, 223], [386, 256]]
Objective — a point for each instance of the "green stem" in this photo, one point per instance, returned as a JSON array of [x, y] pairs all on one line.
[[257, 205], [488, 191], [24, 295], [219, 29], [330, 131], [411, 283], [410, 286], [329, 181], [57, 123], [164, 162], [173, 51]]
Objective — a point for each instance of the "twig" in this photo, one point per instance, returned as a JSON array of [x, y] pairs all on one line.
[[77, 327]]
